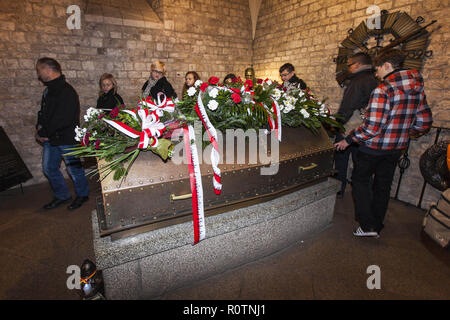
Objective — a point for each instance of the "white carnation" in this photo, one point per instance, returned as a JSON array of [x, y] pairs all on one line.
[[213, 104], [213, 93], [198, 83], [79, 133], [90, 113], [191, 91]]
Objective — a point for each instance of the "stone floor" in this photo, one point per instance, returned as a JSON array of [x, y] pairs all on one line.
[[37, 246]]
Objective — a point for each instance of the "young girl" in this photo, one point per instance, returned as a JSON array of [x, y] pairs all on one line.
[[189, 81], [229, 79], [108, 96]]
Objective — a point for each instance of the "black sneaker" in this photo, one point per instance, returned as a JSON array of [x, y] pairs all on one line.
[[55, 203], [78, 202]]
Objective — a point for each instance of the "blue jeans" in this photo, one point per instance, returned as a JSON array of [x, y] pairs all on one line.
[[50, 163]]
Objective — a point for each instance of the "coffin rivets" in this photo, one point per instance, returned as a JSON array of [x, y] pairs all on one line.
[[161, 178], [118, 192], [140, 182], [151, 180], [105, 188], [171, 177], [131, 190]]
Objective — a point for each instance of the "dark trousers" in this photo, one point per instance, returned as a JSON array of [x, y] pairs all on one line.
[[341, 161], [371, 205]]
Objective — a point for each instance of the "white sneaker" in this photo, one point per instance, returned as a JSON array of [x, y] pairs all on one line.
[[361, 233]]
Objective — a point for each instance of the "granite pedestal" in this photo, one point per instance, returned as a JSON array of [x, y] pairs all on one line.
[[147, 265]]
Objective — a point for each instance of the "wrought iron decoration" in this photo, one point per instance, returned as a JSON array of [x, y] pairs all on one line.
[[405, 33]]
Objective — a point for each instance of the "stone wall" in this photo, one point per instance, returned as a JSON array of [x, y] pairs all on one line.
[[307, 34], [212, 37]]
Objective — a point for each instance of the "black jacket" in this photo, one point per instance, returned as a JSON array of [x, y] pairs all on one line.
[[297, 82], [163, 86], [109, 100], [60, 112], [357, 93]]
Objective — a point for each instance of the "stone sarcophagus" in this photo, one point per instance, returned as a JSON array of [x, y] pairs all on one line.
[[157, 194]]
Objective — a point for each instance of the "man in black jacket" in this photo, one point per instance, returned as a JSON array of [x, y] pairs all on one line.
[[55, 129], [290, 79], [356, 96]]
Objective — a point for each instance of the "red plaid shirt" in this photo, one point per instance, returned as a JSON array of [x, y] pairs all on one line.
[[397, 108]]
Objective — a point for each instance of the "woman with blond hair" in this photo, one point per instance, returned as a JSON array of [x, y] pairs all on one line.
[[157, 82], [108, 96]]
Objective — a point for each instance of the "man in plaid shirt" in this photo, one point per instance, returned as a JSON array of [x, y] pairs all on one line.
[[397, 109]]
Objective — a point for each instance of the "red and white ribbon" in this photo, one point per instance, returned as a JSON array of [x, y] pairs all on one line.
[[215, 155], [195, 178], [165, 105], [276, 110], [150, 125]]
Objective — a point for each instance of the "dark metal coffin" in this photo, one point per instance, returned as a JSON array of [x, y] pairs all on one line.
[[156, 194]]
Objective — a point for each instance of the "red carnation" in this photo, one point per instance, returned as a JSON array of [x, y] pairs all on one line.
[[101, 115], [260, 81], [114, 112], [214, 80], [235, 90], [236, 98], [204, 86], [97, 144], [249, 83], [85, 140]]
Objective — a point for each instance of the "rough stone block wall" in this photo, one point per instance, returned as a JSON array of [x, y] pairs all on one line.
[[307, 34], [212, 37]]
